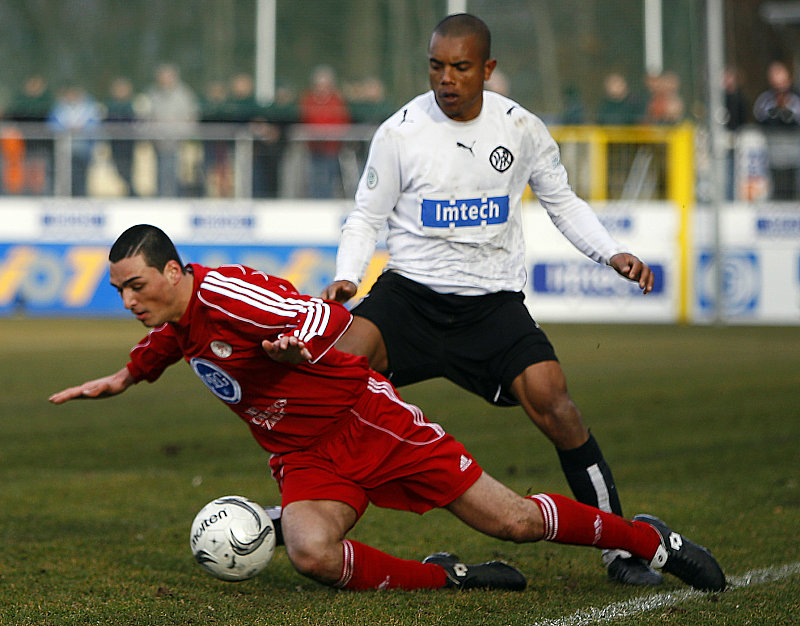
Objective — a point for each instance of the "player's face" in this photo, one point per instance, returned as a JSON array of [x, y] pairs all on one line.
[[457, 72], [152, 296]]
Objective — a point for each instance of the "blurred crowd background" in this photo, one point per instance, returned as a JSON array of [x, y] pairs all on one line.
[[162, 97]]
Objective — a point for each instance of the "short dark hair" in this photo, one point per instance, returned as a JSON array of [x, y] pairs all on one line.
[[149, 241], [465, 25]]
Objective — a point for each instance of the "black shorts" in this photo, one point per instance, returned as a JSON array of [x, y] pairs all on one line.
[[481, 343]]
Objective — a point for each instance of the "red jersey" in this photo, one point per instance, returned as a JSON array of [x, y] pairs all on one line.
[[323, 109], [232, 310]]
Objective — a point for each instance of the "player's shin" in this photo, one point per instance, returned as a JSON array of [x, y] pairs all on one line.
[[365, 567], [589, 476], [570, 522]]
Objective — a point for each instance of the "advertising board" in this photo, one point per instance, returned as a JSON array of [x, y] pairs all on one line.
[[53, 256]]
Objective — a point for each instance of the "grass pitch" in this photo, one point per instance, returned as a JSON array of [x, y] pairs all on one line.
[[701, 427]]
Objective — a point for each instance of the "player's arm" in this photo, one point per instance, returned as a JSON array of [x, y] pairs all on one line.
[[377, 194], [289, 326], [579, 224], [149, 358], [100, 388], [314, 331], [575, 218]]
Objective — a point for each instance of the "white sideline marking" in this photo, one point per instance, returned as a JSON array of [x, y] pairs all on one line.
[[662, 600]]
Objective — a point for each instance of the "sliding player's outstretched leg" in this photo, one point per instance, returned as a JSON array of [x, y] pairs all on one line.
[[647, 537], [679, 556]]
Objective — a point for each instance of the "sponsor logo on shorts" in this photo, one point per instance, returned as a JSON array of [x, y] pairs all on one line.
[[221, 384], [464, 463], [465, 212]]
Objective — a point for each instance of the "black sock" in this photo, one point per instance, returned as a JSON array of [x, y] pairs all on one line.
[[589, 476]]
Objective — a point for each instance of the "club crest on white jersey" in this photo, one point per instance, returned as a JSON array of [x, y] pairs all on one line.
[[221, 384], [501, 158]]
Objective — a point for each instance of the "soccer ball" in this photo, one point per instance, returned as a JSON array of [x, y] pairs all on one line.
[[233, 538]]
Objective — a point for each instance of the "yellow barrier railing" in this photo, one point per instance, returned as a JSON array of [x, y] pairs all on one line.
[[676, 164], [618, 162]]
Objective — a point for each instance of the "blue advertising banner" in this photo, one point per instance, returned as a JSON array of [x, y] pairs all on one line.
[[64, 279]]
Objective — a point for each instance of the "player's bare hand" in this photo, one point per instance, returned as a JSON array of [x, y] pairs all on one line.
[[634, 269], [340, 291], [286, 349], [99, 388]]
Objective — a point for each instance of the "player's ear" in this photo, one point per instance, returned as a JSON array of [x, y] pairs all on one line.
[[488, 68], [173, 271]]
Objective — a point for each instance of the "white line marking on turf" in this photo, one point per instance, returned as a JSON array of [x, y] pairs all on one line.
[[662, 600]]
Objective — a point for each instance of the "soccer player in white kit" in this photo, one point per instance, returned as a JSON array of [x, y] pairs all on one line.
[[446, 174]]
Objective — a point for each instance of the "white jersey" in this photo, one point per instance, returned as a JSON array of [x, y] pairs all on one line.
[[450, 193]]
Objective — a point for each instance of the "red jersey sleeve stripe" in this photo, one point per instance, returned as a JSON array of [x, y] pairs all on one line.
[[316, 323], [256, 296], [247, 299], [266, 292], [317, 312]]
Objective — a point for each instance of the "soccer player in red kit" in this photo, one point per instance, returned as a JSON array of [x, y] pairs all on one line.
[[339, 435]]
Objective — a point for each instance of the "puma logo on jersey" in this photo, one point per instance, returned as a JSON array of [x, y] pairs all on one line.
[[466, 147]]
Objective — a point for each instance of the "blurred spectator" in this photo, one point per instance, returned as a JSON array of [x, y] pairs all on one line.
[[33, 102], [243, 108], [119, 110], [217, 153], [76, 113], [619, 106], [173, 110], [665, 105], [33, 158], [779, 105], [324, 107], [12, 160], [736, 111], [213, 102], [778, 110], [271, 143], [241, 105], [735, 102], [498, 82], [574, 110], [367, 101]]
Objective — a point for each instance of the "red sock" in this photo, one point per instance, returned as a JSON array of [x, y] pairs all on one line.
[[367, 568], [569, 521]]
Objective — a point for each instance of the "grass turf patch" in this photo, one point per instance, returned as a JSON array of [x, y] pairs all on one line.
[[699, 425]]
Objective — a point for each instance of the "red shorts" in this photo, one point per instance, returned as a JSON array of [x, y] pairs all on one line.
[[388, 454]]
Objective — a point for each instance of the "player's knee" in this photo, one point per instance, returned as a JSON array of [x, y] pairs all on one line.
[[316, 558]]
